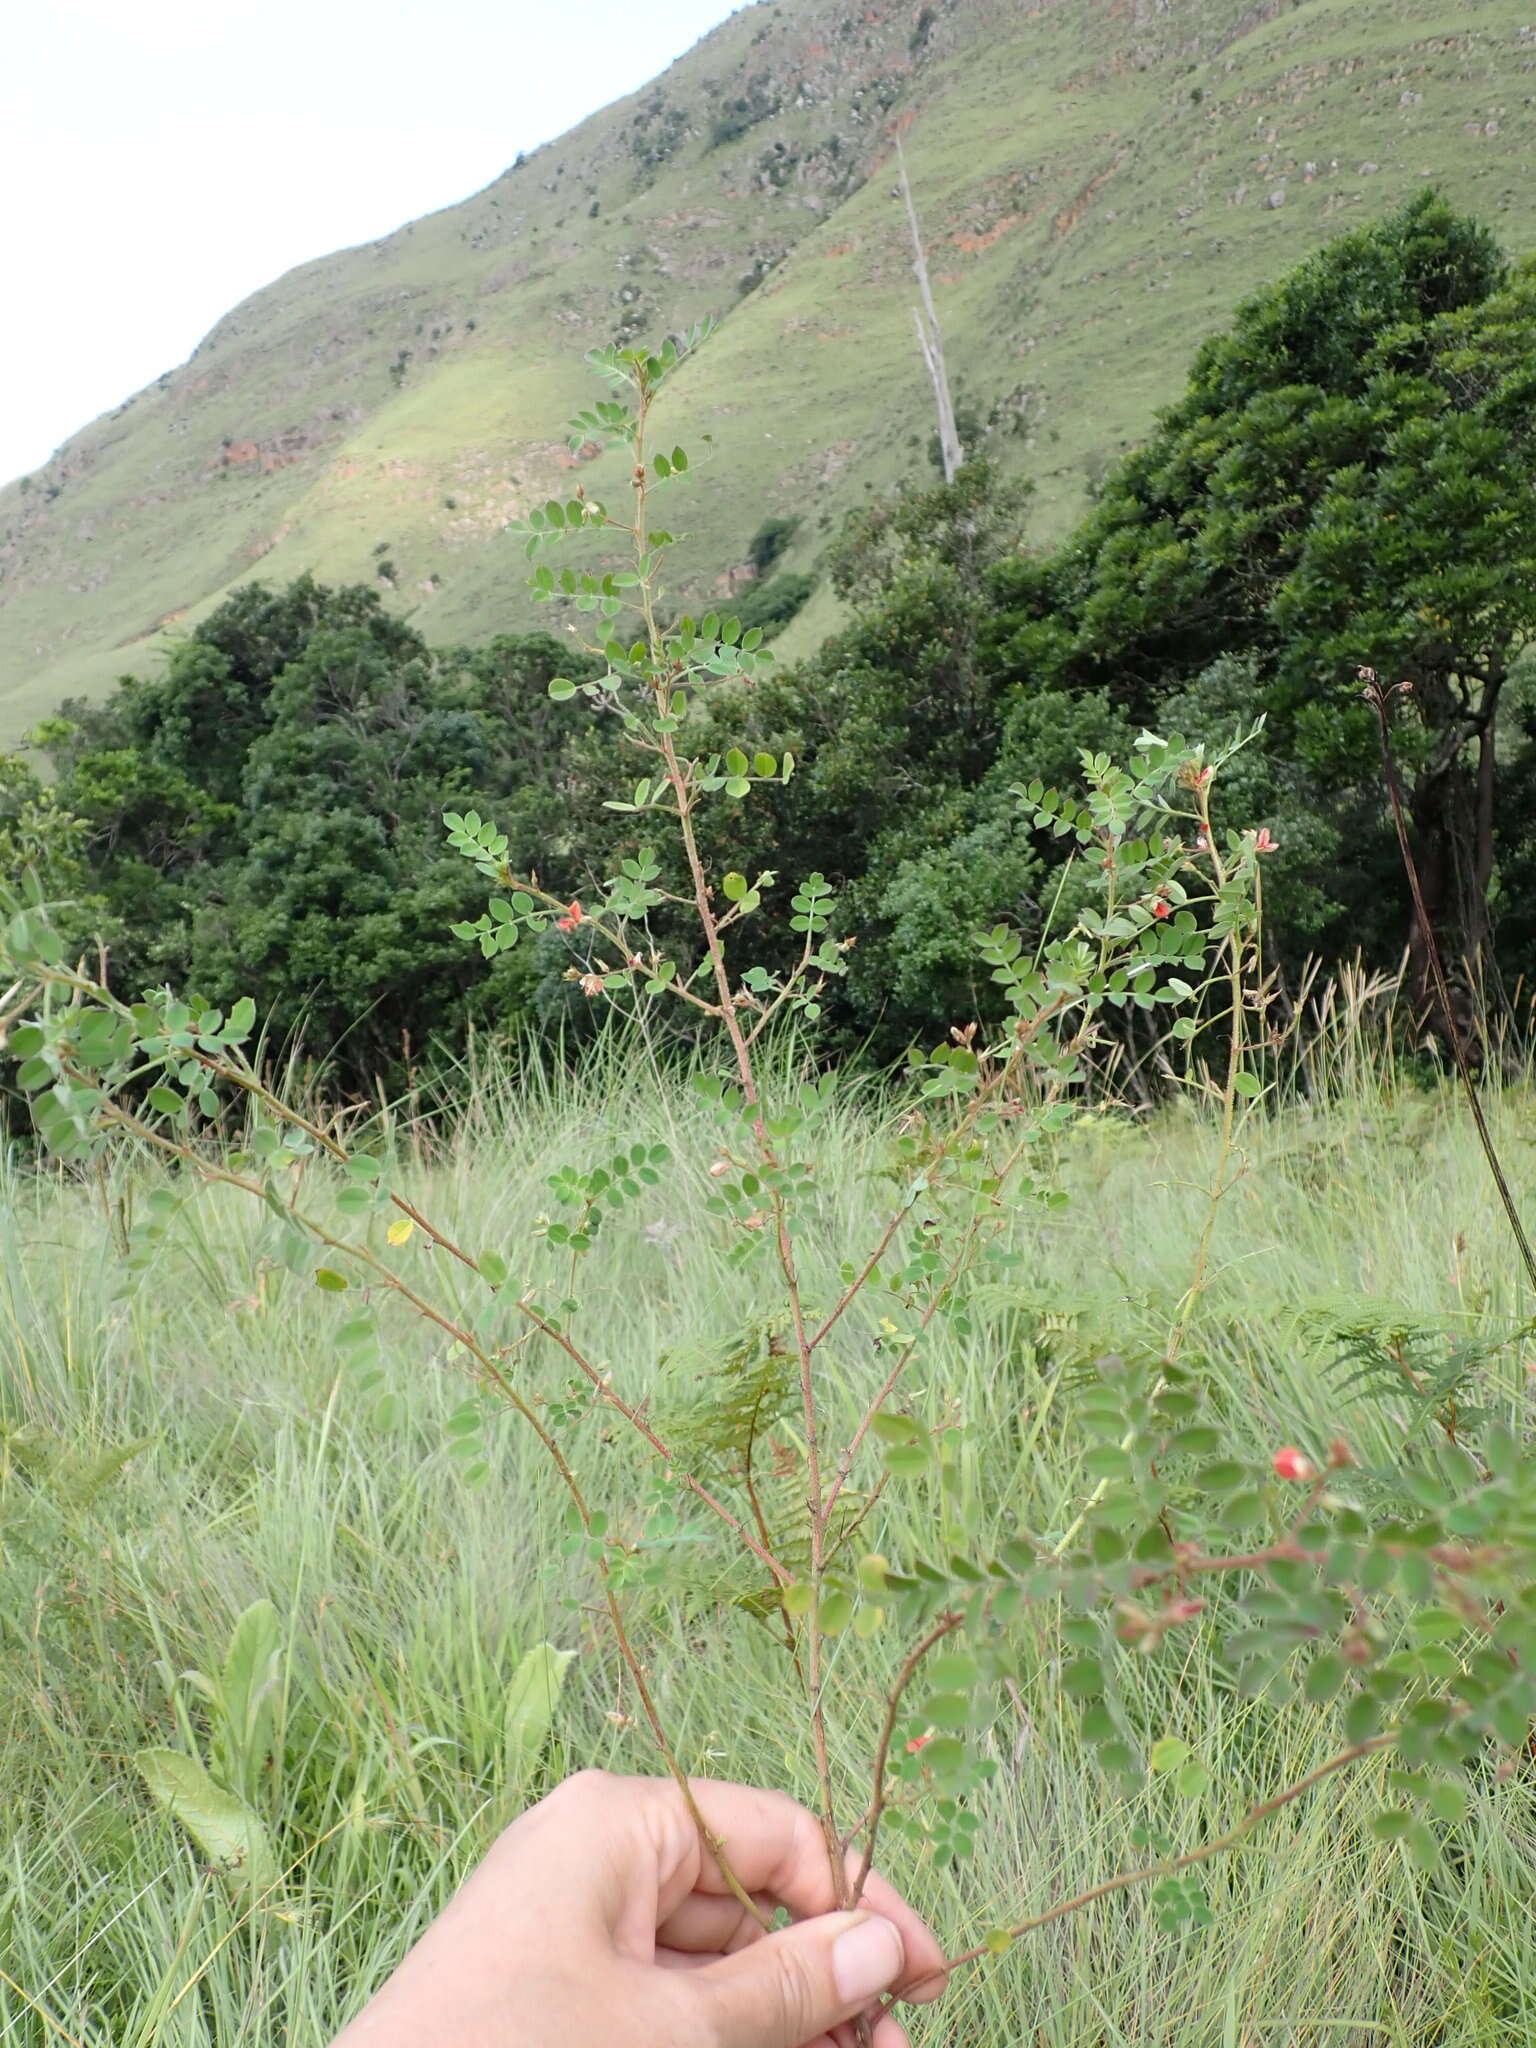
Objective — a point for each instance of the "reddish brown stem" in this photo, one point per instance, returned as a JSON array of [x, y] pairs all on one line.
[[1218, 1847], [945, 1626], [638, 1422]]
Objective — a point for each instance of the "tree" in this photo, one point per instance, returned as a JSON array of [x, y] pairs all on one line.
[[43, 849], [267, 814], [214, 699], [1349, 482], [768, 545], [896, 725]]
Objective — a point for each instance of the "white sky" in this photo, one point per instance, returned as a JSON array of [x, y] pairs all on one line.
[[160, 161]]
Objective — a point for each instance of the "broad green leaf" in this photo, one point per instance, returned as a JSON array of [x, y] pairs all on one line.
[[896, 1429], [529, 1710], [953, 1671], [1083, 1678], [229, 1834], [834, 1613], [908, 1461]]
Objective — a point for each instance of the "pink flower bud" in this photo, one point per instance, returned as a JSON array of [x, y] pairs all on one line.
[[720, 1166], [1291, 1464]]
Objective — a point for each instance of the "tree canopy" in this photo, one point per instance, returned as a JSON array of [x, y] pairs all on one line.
[[1347, 483]]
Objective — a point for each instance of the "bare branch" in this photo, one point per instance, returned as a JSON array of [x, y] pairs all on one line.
[[930, 336]]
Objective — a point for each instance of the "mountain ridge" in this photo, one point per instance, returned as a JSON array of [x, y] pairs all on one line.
[[1099, 180]]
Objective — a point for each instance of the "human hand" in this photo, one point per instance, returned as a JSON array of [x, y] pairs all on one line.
[[599, 1918]]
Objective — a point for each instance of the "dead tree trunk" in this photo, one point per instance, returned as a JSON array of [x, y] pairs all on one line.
[[930, 338]]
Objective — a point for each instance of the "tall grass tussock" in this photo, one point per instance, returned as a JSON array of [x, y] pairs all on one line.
[[181, 1443]]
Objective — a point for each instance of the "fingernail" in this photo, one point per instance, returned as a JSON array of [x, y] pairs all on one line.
[[867, 1959]]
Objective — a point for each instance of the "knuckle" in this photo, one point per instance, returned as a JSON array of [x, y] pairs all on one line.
[[585, 1788], [794, 1996]]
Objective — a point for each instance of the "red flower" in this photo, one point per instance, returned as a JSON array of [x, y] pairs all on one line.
[[1293, 1464], [1161, 908], [1263, 842], [592, 984], [920, 1742], [573, 917]]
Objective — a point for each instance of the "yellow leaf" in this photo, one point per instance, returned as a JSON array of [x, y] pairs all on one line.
[[400, 1230]]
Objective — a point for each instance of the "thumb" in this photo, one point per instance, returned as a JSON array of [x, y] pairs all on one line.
[[792, 1987]]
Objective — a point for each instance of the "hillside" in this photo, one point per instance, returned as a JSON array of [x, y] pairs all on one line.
[[1100, 180]]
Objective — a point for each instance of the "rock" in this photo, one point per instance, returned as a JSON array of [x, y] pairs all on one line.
[[1276, 198], [1367, 169]]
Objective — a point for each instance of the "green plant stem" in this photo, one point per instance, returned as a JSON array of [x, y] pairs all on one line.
[[42, 2011]]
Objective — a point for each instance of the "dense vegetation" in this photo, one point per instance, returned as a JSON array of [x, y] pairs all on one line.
[[1349, 481], [179, 1444], [1062, 1346]]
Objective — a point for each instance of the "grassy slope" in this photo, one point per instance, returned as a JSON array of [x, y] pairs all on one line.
[[1094, 176], [405, 1599]]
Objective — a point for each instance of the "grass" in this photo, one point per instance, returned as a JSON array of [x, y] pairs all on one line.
[[406, 1598], [1094, 181]]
